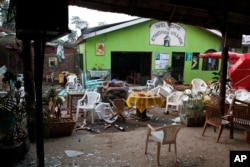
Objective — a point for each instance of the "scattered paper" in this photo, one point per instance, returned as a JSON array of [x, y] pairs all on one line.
[[72, 153], [176, 120]]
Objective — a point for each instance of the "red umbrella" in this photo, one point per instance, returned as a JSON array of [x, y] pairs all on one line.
[[239, 73], [233, 56]]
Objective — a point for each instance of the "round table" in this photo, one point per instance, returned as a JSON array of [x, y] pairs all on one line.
[[142, 101]]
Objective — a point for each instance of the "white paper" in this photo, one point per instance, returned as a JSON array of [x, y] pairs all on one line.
[[72, 153]]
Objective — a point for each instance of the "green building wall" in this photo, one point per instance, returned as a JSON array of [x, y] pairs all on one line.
[[136, 38]]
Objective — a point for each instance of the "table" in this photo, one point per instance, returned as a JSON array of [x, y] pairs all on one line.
[[142, 101], [71, 96]]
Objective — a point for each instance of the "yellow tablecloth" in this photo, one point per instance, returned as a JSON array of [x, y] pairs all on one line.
[[143, 100]]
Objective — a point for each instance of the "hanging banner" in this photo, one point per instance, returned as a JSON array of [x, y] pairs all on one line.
[[161, 33]]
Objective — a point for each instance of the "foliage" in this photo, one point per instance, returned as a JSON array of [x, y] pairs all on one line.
[[54, 103], [215, 85], [4, 10], [12, 116], [79, 25], [10, 79], [195, 104]]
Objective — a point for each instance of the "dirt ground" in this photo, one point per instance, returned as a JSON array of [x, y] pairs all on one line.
[[114, 148]]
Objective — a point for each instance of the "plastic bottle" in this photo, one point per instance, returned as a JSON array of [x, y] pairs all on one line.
[[119, 127]]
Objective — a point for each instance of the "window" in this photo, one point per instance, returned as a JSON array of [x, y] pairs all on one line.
[[210, 64], [195, 61], [52, 61]]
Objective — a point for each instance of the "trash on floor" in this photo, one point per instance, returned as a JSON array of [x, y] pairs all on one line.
[[73, 153]]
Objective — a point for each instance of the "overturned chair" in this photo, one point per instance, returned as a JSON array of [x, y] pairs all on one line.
[[105, 112]]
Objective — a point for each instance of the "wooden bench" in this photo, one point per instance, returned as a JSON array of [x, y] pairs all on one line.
[[240, 115]]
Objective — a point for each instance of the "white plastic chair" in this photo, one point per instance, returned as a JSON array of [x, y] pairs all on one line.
[[51, 77], [105, 112], [198, 85], [151, 83], [174, 100], [242, 94], [88, 102], [71, 82], [164, 91], [162, 136]]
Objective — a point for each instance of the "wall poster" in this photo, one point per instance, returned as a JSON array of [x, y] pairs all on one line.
[[161, 60], [100, 49]]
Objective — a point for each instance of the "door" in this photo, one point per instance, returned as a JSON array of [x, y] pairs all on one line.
[[125, 65], [178, 60]]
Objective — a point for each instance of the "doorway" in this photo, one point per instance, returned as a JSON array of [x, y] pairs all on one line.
[[178, 60], [124, 64]]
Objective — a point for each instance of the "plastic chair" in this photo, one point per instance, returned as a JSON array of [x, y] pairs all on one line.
[[151, 83], [174, 100], [71, 82], [215, 119], [105, 112], [88, 102], [198, 85], [164, 90], [242, 95], [162, 136], [51, 76]]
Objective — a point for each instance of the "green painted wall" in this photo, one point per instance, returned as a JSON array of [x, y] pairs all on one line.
[[136, 38]]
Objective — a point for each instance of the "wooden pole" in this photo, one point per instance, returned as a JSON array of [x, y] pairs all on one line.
[[39, 45]]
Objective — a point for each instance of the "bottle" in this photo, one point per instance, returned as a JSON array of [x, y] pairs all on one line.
[[119, 127], [89, 129]]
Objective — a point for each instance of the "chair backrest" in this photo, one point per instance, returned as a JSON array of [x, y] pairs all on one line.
[[213, 114], [105, 112], [170, 133], [198, 85], [240, 111], [119, 104], [175, 97], [242, 95], [72, 78], [166, 90], [93, 97], [154, 81], [101, 109]]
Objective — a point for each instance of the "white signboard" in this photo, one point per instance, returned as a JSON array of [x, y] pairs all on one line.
[[161, 33]]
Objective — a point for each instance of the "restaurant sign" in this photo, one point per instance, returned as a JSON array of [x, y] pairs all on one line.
[[162, 33]]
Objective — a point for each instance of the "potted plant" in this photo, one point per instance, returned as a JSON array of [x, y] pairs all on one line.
[[55, 124], [193, 109], [14, 140]]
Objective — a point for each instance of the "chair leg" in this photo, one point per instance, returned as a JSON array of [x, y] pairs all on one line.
[[175, 150], [77, 112], [169, 147], [146, 147], [219, 134], [204, 128], [92, 114], [166, 108], [158, 152]]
